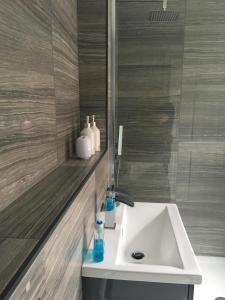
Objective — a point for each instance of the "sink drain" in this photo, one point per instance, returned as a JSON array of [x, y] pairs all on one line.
[[138, 255], [220, 298]]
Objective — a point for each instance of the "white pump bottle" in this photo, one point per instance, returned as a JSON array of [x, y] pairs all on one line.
[[88, 131], [96, 134]]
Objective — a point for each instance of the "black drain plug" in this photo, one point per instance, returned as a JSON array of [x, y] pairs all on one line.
[[138, 255]]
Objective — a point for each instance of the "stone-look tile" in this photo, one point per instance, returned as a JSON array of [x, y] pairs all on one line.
[[184, 66], [145, 181], [27, 115], [61, 257], [31, 214], [211, 13], [200, 174], [204, 71], [200, 185], [92, 42], [149, 85], [29, 217], [200, 195], [39, 120], [14, 252], [65, 59], [35, 279], [207, 240], [205, 226]]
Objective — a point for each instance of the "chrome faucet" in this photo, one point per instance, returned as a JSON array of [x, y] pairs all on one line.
[[124, 198], [119, 197]]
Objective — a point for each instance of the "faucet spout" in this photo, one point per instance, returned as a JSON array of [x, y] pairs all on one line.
[[124, 198]]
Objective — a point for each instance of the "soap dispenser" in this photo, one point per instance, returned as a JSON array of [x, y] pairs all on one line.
[[96, 134], [110, 217], [99, 241], [87, 131]]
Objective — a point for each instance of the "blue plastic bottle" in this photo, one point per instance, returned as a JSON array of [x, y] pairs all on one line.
[[99, 242], [110, 201]]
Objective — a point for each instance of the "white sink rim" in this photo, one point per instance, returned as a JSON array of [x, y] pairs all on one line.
[[111, 269]]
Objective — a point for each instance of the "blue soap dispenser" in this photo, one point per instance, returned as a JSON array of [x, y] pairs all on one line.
[[109, 203], [99, 241]]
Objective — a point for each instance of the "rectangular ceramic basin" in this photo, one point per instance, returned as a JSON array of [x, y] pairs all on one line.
[[156, 231], [150, 235]]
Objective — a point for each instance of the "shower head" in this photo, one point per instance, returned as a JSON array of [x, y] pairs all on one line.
[[163, 16]]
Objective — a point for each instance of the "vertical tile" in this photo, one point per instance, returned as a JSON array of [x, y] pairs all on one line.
[[66, 81], [56, 272], [150, 59], [181, 65], [93, 61], [13, 253], [27, 115], [32, 285], [201, 192]]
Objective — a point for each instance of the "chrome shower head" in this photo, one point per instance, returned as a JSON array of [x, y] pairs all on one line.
[[163, 16]]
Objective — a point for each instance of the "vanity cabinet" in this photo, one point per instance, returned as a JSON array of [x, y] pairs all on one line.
[[109, 289]]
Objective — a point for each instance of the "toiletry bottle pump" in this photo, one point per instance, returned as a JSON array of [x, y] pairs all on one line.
[[99, 241], [96, 134], [87, 131]]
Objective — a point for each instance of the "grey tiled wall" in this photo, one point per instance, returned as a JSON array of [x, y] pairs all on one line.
[[200, 188], [92, 41], [39, 120], [56, 272], [39, 95], [171, 102]]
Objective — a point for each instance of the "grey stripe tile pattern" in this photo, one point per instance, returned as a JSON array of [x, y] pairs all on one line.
[[39, 91], [30, 215], [56, 272], [92, 41], [200, 185], [205, 226], [14, 252], [65, 62], [181, 162], [39, 121], [150, 59], [27, 114], [34, 278]]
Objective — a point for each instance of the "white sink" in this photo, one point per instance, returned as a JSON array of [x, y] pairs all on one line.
[[151, 234], [157, 231]]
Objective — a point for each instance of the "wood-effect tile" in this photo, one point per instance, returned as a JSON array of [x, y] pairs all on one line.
[[92, 40], [13, 253], [39, 121], [66, 77], [181, 64], [27, 115], [200, 184], [61, 258], [205, 226], [31, 214]]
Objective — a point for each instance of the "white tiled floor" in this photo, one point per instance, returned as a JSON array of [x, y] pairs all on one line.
[[213, 285]]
